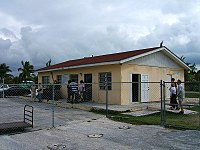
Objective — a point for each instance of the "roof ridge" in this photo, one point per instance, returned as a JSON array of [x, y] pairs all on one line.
[[99, 59]]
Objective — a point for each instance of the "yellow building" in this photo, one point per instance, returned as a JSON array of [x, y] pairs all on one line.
[[133, 76]]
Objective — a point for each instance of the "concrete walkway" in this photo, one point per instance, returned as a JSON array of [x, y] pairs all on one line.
[[134, 109], [120, 108]]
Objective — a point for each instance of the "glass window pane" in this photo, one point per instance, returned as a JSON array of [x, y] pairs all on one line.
[[102, 80]]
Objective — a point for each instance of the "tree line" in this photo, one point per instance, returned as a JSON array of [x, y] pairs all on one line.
[[26, 73], [193, 74]]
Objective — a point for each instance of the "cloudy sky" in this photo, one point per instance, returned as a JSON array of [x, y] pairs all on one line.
[[39, 30]]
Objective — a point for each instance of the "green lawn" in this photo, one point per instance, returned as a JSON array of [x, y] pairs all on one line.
[[191, 94], [183, 121], [177, 121]]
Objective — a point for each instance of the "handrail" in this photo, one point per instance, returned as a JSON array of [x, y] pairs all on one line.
[[28, 114]]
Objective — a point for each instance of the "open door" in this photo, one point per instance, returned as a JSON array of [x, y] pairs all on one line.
[[135, 87], [88, 86], [168, 85], [144, 88]]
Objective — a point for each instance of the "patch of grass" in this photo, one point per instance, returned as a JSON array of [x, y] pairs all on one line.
[[192, 94], [153, 119], [195, 108], [177, 121], [183, 121]]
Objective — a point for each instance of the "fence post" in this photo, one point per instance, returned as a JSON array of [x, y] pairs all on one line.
[[164, 101], [161, 104], [3, 88], [53, 98], [199, 104], [106, 84]]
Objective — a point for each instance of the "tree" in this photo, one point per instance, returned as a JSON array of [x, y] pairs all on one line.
[[4, 69], [26, 71], [15, 80], [190, 75]]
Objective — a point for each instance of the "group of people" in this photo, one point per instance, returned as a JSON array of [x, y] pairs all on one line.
[[176, 92], [76, 93], [39, 92]]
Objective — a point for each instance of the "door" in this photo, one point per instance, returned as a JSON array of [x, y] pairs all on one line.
[[88, 86], [168, 85], [144, 88], [135, 87]]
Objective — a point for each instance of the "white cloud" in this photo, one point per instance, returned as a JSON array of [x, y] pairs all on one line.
[[171, 19], [39, 30]]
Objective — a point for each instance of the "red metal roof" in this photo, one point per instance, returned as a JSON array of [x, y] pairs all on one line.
[[99, 59]]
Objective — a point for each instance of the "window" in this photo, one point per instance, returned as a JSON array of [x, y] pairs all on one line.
[[74, 77], [59, 79], [102, 80], [45, 80], [65, 78]]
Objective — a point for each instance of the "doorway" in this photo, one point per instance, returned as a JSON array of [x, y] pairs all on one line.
[[88, 87], [135, 87]]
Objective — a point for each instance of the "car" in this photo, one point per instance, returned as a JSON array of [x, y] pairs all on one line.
[[15, 91], [4, 87]]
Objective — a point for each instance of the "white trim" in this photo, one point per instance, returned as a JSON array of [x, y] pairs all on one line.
[[131, 92], [175, 58], [55, 69], [141, 55]]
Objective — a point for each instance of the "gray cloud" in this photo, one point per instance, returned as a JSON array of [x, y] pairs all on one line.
[[4, 44], [61, 30]]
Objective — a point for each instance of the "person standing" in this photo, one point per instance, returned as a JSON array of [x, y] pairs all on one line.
[[82, 91], [180, 96], [74, 89], [40, 91], [69, 91], [173, 101], [33, 92]]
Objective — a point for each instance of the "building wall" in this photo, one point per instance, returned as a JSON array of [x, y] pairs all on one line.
[[158, 59], [98, 95], [121, 92], [155, 75]]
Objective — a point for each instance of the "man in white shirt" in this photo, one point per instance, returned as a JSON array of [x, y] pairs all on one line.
[[180, 95]]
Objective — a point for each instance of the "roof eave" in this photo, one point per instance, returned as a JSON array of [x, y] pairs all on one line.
[[177, 59], [80, 66], [141, 55]]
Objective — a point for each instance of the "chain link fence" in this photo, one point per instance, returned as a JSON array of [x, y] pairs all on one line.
[[51, 103], [121, 97], [172, 115]]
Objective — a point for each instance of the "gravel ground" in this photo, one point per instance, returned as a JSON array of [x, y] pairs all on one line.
[[73, 128]]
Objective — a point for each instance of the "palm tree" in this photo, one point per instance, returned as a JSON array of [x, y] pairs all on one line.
[[189, 74], [26, 71], [4, 69]]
